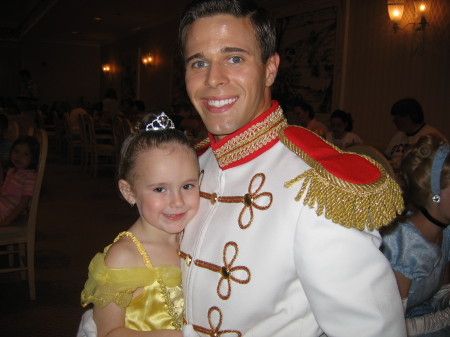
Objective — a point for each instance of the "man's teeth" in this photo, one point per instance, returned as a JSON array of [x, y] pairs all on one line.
[[222, 102]]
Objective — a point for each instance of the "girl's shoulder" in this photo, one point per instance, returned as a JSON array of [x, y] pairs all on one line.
[[408, 251], [125, 252]]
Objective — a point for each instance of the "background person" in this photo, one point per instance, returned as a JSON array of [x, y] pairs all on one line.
[[409, 120], [418, 246], [304, 114], [17, 189], [341, 125], [5, 143]]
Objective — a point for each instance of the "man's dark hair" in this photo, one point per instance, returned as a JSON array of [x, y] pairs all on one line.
[[264, 28], [408, 107]]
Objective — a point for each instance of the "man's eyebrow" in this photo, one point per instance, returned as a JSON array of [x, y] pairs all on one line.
[[233, 50], [193, 57]]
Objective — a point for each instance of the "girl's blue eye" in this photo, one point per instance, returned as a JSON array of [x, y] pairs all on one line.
[[159, 189], [188, 186]]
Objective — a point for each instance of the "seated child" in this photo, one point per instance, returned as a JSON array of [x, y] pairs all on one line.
[[17, 189]]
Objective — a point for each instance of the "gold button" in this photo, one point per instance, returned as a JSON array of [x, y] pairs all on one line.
[[225, 272], [248, 200], [213, 198], [188, 260]]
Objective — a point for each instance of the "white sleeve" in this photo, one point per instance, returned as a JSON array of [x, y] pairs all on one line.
[[87, 327], [348, 281], [429, 323]]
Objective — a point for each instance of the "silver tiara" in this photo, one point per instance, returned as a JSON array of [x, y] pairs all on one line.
[[161, 122]]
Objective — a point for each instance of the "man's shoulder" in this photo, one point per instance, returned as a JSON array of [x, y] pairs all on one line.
[[343, 186], [329, 159]]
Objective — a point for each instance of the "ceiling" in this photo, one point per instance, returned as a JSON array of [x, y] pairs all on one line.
[[82, 21]]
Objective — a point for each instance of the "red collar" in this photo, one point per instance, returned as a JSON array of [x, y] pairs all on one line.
[[248, 142]]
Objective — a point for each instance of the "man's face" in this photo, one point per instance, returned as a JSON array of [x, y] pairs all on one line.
[[226, 80]]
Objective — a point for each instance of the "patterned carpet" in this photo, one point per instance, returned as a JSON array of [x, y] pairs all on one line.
[[78, 216]]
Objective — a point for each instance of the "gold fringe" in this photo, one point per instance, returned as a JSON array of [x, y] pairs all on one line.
[[351, 205]]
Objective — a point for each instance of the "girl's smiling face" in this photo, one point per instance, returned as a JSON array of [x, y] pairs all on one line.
[[165, 187]]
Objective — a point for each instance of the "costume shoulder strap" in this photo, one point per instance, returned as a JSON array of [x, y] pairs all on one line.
[[350, 189], [202, 146], [138, 245]]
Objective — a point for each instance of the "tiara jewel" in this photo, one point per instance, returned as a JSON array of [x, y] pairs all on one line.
[[161, 122]]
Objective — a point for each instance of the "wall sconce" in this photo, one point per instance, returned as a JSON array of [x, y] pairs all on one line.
[[106, 68], [422, 7], [148, 59], [395, 9]]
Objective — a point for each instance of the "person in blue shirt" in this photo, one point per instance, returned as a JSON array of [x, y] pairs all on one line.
[[418, 246]]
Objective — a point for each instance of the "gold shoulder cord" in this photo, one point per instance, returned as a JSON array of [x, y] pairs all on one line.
[[351, 205], [138, 245]]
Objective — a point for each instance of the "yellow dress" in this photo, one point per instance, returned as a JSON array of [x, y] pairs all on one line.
[[158, 306]]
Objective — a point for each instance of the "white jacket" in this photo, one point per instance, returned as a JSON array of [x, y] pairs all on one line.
[[259, 263]]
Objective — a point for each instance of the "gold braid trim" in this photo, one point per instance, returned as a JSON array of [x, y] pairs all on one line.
[[370, 205], [201, 143], [251, 140]]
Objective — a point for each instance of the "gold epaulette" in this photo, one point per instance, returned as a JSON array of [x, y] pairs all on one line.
[[350, 189]]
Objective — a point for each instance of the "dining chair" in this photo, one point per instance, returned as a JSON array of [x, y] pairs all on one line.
[[121, 130], [13, 131], [18, 238], [87, 150], [59, 131], [127, 127], [73, 141], [103, 150]]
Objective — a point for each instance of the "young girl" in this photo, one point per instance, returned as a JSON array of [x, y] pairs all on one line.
[[17, 188], [341, 125], [418, 247], [135, 284]]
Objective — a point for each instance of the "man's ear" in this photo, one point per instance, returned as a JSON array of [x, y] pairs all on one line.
[[127, 192], [272, 69]]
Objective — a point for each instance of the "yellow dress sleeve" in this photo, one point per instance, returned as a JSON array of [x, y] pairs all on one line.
[[158, 306], [106, 285]]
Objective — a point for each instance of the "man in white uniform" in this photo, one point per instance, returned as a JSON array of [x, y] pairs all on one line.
[[285, 242]]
